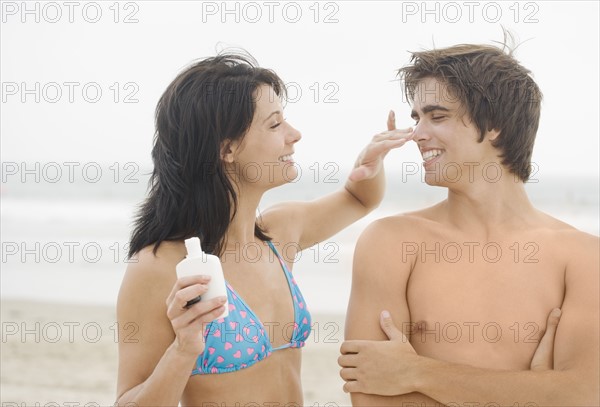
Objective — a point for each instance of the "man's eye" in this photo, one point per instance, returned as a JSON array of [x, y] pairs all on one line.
[[437, 117]]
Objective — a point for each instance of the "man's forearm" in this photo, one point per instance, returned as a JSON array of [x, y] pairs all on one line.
[[404, 400], [460, 385]]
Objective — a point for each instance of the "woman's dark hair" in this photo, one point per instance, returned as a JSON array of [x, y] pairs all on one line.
[[209, 104], [495, 90]]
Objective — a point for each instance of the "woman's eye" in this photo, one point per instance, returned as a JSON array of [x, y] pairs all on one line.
[[276, 125]]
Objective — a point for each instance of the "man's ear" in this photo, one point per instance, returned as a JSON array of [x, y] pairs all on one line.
[[493, 134]]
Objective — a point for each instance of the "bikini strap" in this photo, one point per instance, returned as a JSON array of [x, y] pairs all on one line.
[[283, 265]]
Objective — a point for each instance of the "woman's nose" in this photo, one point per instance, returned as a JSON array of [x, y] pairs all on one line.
[[294, 135]]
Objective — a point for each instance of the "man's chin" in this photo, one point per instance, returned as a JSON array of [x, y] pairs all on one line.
[[434, 179]]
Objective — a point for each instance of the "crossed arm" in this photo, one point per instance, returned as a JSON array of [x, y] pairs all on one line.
[[392, 367]]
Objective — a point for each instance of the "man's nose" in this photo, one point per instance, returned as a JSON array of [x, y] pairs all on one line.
[[421, 132]]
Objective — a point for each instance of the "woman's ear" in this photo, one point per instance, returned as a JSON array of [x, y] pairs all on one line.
[[227, 151]]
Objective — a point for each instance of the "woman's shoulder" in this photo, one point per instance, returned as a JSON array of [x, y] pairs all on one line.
[[152, 272], [280, 222], [157, 259]]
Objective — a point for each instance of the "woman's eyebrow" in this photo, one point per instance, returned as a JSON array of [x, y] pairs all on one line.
[[269, 116]]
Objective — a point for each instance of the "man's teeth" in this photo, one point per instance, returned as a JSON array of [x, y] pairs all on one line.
[[286, 158], [431, 154]]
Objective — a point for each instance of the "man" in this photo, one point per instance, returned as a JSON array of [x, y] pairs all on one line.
[[472, 283]]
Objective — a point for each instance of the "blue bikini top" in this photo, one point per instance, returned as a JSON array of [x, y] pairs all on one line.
[[239, 340]]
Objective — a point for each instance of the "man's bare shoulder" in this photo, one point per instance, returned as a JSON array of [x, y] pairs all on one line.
[[563, 243], [580, 249], [418, 218], [387, 232], [564, 234], [407, 221]]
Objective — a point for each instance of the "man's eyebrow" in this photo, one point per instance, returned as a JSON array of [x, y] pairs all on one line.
[[427, 109], [268, 117]]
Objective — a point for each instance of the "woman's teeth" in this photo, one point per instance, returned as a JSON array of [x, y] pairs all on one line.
[[286, 158]]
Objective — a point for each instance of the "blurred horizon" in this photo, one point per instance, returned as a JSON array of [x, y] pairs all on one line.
[[67, 242]]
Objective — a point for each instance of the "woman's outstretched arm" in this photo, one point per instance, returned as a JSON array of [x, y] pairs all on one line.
[[315, 221]]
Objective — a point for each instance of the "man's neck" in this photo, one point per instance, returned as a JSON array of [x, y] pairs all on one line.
[[487, 207]]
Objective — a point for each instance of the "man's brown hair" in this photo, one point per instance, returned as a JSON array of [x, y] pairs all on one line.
[[494, 90]]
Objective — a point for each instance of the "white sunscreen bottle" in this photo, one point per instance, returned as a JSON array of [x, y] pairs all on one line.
[[199, 263]]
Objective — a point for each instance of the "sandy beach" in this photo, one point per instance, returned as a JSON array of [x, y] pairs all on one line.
[[65, 354]]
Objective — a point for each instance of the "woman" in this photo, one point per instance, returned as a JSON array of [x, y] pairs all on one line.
[[221, 142]]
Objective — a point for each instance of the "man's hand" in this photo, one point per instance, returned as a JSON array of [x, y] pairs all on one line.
[[379, 367], [543, 358], [389, 368]]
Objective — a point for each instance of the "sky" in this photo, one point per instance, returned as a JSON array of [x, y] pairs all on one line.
[[80, 80]]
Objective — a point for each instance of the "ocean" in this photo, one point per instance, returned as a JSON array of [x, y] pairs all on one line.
[[65, 239]]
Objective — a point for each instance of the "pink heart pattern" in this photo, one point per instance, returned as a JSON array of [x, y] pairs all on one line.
[[233, 343]]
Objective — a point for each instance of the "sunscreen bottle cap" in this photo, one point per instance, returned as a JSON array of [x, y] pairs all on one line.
[[193, 247]]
